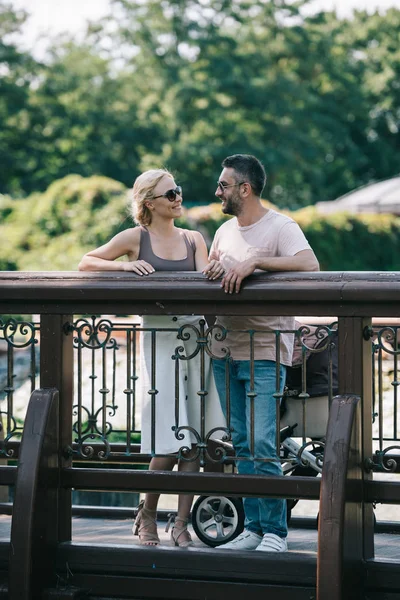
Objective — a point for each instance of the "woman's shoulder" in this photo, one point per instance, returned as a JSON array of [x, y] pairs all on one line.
[[128, 237], [190, 233], [131, 232], [195, 238]]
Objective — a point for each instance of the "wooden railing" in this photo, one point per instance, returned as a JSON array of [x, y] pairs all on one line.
[[345, 562]]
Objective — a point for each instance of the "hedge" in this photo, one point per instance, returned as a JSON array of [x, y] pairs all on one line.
[[51, 231]]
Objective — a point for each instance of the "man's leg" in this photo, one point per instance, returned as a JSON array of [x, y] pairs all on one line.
[[237, 414], [272, 512]]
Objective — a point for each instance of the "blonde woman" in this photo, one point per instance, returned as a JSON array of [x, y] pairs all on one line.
[[158, 245]]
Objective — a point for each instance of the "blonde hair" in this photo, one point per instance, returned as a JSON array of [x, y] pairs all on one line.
[[143, 190]]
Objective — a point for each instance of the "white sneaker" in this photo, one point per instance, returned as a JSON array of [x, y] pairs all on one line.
[[272, 543], [248, 540]]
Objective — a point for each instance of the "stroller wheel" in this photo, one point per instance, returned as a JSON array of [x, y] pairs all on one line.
[[217, 519]]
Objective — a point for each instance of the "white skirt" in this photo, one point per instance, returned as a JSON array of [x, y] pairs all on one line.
[[175, 383]]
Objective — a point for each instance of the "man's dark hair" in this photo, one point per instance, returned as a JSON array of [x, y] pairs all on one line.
[[248, 168]]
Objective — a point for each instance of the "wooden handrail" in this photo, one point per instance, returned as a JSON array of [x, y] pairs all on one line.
[[314, 294]]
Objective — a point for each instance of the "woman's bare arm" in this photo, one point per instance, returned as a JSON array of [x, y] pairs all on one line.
[[201, 257], [104, 258]]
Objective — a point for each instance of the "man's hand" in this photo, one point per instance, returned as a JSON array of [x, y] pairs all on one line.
[[233, 278], [213, 270]]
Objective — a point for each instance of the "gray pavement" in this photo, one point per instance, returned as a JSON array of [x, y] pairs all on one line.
[[119, 532]]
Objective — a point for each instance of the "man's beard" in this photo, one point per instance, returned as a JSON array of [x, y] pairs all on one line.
[[233, 205]]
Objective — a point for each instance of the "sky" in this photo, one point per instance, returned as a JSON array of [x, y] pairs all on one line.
[[56, 16]]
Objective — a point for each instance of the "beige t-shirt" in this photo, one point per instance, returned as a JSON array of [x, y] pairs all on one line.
[[273, 235]]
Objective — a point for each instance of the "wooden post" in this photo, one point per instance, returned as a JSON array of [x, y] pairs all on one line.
[[355, 377], [56, 371], [353, 518], [331, 525]]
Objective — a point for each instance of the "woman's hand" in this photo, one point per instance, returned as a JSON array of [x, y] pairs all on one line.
[[141, 267], [213, 270]]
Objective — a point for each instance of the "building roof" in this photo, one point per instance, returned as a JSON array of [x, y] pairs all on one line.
[[381, 197]]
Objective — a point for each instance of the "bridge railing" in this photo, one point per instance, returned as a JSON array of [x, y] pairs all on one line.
[[353, 298]]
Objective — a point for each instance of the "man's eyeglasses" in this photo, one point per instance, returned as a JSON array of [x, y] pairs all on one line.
[[222, 186], [171, 194]]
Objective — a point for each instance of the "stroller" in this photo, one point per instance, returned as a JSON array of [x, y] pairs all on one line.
[[304, 412]]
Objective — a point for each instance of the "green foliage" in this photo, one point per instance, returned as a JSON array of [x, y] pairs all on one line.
[[6, 207], [183, 83], [52, 231], [344, 242]]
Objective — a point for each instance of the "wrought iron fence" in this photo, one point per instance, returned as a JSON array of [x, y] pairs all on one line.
[[19, 344], [107, 413], [347, 489], [385, 344]]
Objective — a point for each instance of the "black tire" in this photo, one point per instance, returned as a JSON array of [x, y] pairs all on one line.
[[217, 520]]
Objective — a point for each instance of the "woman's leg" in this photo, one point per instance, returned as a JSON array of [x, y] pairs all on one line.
[[180, 533], [145, 525], [158, 464], [185, 500]]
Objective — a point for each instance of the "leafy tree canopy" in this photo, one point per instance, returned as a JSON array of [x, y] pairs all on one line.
[[184, 83]]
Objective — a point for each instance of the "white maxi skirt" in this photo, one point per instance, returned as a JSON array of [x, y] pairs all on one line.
[[172, 381]]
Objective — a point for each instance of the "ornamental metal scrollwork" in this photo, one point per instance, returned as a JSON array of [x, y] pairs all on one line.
[[91, 422], [17, 335], [89, 334], [14, 434], [322, 332], [11, 327], [385, 336], [203, 338], [88, 451], [201, 446], [90, 425], [386, 462]]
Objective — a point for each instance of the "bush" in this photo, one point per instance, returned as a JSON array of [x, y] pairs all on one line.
[[348, 242], [52, 231]]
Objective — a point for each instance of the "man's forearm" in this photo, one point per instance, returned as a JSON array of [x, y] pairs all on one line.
[[303, 261]]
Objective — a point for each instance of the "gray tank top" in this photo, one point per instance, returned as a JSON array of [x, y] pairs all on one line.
[[162, 264]]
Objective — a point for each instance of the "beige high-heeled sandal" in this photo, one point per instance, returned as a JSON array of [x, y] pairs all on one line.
[[145, 526], [177, 532]]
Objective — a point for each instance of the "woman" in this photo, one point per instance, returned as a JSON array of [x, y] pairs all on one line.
[[158, 245]]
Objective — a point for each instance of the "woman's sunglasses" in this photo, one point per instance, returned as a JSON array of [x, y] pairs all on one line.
[[171, 194]]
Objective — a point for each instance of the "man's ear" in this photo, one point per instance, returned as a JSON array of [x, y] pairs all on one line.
[[246, 187]]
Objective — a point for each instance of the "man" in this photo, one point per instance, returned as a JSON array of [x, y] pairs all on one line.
[[256, 238]]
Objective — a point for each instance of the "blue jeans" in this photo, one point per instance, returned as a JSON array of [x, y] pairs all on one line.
[[263, 515]]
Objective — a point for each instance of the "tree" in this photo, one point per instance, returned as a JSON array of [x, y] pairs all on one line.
[[250, 77], [183, 83], [17, 70]]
